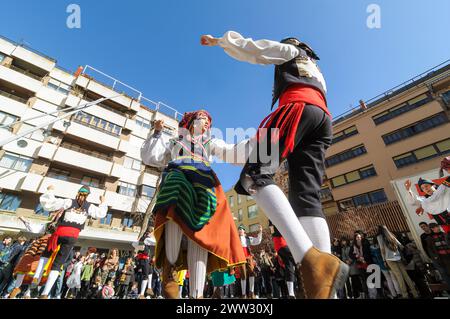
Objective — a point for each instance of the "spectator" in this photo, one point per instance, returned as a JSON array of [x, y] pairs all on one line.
[[439, 250], [390, 250], [74, 280], [9, 260], [110, 266], [358, 273], [336, 248], [346, 292], [86, 275], [424, 236], [125, 278]]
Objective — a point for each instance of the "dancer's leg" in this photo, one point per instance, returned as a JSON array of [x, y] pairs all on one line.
[[173, 236], [318, 231], [197, 260]]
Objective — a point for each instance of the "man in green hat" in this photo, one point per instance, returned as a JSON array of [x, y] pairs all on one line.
[[248, 268]]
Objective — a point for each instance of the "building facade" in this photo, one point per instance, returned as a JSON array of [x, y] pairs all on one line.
[[399, 133], [246, 212], [98, 146]]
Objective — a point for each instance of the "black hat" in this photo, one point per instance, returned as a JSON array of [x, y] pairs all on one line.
[[423, 181]]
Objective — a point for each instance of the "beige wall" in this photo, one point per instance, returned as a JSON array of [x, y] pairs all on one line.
[[260, 218]]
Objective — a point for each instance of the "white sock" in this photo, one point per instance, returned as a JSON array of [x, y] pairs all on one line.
[[40, 268], [278, 209], [251, 284], [173, 236], [28, 293], [180, 295], [197, 258], [290, 286], [19, 280], [243, 287], [318, 231], [54, 274], [150, 277], [143, 286]]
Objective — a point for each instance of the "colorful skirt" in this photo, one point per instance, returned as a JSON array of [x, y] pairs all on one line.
[[28, 263], [218, 236]]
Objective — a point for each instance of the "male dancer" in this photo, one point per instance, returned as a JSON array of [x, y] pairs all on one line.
[[303, 132], [71, 222], [248, 268], [147, 251]]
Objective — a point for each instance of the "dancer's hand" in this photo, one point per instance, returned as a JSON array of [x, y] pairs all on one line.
[[209, 40], [420, 211], [408, 185], [50, 187], [159, 125]]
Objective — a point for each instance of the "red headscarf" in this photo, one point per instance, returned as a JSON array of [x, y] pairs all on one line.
[[190, 117]]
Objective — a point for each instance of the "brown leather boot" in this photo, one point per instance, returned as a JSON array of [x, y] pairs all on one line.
[[252, 295], [43, 297], [169, 284], [14, 293], [322, 274]]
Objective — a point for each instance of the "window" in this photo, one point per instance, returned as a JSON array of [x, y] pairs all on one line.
[[127, 222], [39, 210], [9, 202], [58, 174], [90, 181], [98, 123], [253, 228], [16, 162], [366, 199], [240, 215], [252, 211], [415, 128], [59, 86], [106, 220], [353, 176], [132, 163], [148, 191], [423, 153], [168, 131], [342, 135], [142, 123], [249, 198], [7, 119], [231, 200], [239, 199], [346, 155], [325, 194], [402, 108], [2, 57], [126, 189]]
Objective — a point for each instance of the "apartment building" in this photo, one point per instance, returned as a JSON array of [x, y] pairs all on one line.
[[246, 212], [98, 146], [399, 133]]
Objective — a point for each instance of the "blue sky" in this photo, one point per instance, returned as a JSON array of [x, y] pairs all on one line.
[[154, 46]]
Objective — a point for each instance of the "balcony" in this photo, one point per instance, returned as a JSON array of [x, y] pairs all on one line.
[[52, 96], [120, 202], [130, 149], [20, 78], [325, 195], [149, 179], [92, 134], [11, 179], [69, 187], [96, 233], [12, 104], [105, 112], [31, 182], [35, 58], [75, 156], [125, 174]]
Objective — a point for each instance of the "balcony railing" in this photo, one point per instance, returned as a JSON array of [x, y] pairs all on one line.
[[109, 108], [95, 127], [13, 97], [74, 180], [26, 72], [79, 149]]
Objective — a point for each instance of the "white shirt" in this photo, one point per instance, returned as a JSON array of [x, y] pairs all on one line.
[[252, 241], [434, 204], [268, 52], [160, 150], [50, 203]]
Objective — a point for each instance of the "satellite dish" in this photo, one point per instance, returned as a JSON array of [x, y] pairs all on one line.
[[66, 124], [22, 143]]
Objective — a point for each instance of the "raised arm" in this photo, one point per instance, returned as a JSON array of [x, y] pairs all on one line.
[[412, 198], [50, 203], [232, 153], [156, 150], [98, 211], [252, 51]]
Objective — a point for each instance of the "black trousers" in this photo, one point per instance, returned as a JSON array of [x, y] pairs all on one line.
[[67, 244], [289, 263], [306, 162]]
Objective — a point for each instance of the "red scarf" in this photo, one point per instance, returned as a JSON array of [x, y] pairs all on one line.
[[290, 109], [64, 231]]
